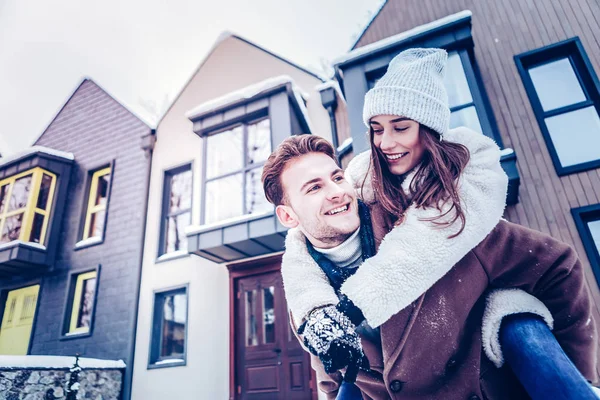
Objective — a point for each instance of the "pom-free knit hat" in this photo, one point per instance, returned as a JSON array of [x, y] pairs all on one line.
[[413, 87]]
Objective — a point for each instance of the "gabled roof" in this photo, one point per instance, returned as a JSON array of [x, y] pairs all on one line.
[[83, 81], [222, 37]]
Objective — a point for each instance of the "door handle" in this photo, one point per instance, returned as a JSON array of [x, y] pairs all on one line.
[[278, 352]]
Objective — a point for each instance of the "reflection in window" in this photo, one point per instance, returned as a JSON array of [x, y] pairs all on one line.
[[83, 303], [224, 153], [250, 309], [562, 87], [97, 202], [25, 201], [268, 315], [168, 342], [256, 202], [556, 84], [576, 136], [178, 209], [234, 160], [462, 107], [224, 198], [173, 325]]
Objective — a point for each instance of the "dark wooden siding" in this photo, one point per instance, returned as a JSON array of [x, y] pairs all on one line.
[[502, 29]]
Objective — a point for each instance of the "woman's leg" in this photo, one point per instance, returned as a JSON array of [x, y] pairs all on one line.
[[349, 391], [539, 362]]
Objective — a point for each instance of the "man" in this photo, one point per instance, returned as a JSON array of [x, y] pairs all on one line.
[[311, 194]]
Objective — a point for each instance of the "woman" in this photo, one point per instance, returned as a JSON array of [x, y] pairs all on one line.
[[426, 287]]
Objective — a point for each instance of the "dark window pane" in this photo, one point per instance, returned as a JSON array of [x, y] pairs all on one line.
[[223, 198], [268, 315], [44, 192], [36, 229], [173, 325], [102, 193], [180, 192], [250, 308], [256, 202], [465, 117], [259, 141], [224, 153], [96, 224], [20, 193], [12, 228], [3, 197], [456, 83], [556, 84], [86, 303], [576, 136], [175, 236]]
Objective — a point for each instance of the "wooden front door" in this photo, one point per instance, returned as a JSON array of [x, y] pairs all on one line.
[[270, 363], [17, 320]]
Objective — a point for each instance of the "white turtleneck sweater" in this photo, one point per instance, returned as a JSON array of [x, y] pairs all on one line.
[[349, 255], [346, 255]]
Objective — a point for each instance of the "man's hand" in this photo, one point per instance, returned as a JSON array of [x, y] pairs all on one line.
[[331, 336]]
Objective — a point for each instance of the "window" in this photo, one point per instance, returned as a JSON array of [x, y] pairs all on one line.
[[587, 220], [177, 209], [95, 215], [234, 161], [82, 302], [563, 90], [169, 328], [463, 111], [25, 204]]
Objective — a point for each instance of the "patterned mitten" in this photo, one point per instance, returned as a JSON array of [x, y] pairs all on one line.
[[331, 336]]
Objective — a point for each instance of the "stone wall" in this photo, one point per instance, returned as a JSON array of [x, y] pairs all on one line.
[[50, 384]]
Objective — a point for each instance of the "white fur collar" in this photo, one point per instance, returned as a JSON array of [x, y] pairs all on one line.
[[414, 255]]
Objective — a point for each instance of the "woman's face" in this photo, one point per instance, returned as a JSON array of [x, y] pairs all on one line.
[[399, 140]]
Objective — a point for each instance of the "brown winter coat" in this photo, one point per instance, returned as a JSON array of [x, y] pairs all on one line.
[[433, 348]]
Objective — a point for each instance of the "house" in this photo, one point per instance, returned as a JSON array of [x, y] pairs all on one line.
[[212, 316], [72, 218], [522, 73]]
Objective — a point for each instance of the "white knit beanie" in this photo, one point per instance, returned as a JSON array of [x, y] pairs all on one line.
[[413, 87]]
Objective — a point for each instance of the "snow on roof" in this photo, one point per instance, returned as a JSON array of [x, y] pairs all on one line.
[[35, 149], [303, 110], [245, 93], [250, 92], [361, 51], [346, 143], [331, 84], [57, 362]]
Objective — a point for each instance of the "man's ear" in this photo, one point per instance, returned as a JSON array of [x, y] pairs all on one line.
[[286, 216]]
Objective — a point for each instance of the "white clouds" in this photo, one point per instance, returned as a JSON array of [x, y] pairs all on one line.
[[144, 51]]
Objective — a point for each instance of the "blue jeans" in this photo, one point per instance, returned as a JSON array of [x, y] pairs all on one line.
[[539, 362], [535, 357], [348, 391]]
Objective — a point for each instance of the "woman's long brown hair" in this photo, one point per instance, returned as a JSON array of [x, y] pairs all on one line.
[[434, 184]]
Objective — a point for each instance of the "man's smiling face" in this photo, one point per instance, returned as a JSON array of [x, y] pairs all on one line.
[[318, 200]]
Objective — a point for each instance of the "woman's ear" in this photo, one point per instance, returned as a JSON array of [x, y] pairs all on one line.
[[286, 216]]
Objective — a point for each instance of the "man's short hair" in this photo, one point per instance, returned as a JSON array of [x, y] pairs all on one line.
[[290, 148]]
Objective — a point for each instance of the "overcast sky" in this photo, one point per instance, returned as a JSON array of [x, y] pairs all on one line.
[[142, 52]]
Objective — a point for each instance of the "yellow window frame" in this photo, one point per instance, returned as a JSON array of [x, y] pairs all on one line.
[[91, 207], [81, 278], [30, 208]]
